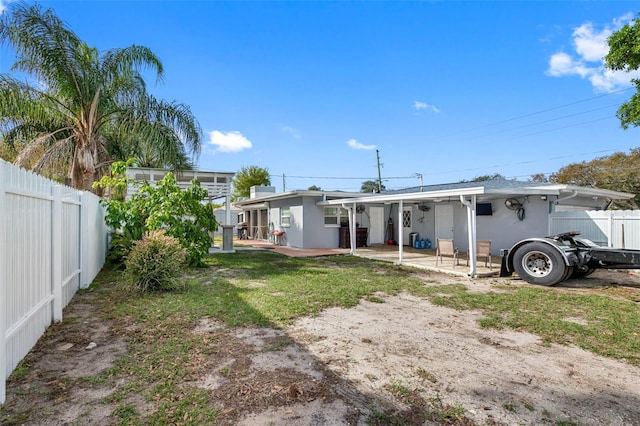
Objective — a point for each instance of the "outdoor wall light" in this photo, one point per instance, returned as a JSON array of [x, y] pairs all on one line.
[[543, 197]]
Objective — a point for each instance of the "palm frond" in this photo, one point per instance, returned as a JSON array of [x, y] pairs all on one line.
[[61, 151]]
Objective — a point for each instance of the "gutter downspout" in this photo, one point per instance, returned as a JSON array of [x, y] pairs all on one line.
[[352, 226], [471, 225], [400, 232], [552, 208], [574, 194]]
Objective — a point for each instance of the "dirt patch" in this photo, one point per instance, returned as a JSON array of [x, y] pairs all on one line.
[[388, 358]]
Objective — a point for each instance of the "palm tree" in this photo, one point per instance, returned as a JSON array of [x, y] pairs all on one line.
[[84, 108]]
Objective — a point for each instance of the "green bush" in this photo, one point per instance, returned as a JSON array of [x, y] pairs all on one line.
[[181, 213], [154, 263]]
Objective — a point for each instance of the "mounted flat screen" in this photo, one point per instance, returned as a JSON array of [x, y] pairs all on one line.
[[484, 209]]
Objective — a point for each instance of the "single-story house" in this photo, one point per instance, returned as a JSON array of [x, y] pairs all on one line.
[[503, 211]]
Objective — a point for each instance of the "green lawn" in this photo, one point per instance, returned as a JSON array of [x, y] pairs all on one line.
[[267, 289]]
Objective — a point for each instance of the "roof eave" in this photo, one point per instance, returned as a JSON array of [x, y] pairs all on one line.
[[296, 193], [410, 196]]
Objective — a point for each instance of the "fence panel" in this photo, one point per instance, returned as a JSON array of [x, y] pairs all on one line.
[[93, 238], [608, 228], [70, 243], [625, 229], [43, 245]]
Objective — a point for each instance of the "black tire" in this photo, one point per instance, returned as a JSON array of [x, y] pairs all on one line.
[[540, 263], [568, 272]]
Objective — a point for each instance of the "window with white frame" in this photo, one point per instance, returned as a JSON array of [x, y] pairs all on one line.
[[336, 216], [285, 216]]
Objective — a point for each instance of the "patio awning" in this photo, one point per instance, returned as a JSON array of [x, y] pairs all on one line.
[[452, 193]]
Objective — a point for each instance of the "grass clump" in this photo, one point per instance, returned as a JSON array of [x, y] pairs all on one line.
[[155, 262]]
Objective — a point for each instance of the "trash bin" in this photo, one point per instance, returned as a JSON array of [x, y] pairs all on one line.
[[413, 237]]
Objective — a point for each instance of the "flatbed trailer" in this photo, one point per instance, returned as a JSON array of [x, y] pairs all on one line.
[[551, 260]]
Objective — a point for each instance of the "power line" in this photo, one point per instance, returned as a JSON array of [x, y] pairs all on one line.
[[545, 110], [565, 127], [524, 126], [344, 178]]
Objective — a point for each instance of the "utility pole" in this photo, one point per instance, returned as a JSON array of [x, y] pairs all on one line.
[[419, 176], [379, 176], [284, 183]]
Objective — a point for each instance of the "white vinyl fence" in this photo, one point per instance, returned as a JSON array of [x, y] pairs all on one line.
[[53, 240], [607, 228]]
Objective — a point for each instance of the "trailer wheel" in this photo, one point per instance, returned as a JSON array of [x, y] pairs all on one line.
[[539, 263]]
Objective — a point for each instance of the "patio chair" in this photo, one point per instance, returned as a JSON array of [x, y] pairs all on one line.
[[445, 247], [483, 249]]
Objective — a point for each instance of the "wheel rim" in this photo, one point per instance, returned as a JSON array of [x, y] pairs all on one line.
[[537, 264]]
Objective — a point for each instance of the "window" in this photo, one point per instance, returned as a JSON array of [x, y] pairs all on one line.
[[484, 209], [336, 216], [285, 216]]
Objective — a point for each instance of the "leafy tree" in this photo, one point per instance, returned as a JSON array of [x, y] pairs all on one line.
[[371, 186], [247, 177], [87, 108], [7, 153], [617, 172], [315, 188], [624, 55], [181, 213], [538, 177]]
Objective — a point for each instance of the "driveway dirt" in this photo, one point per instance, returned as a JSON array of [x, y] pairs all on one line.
[[385, 361]]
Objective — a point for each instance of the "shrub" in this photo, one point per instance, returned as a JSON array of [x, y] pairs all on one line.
[[154, 263]]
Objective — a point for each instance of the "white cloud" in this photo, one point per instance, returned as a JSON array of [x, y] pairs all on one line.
[[587, 61], [354, 144], [228, 141], [291, 131], [562, 64], [590, 44], [419, 106]]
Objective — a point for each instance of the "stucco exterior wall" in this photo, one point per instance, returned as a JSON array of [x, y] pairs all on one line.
[[307, 229], [294, 231], [317, 235], [504, 229]]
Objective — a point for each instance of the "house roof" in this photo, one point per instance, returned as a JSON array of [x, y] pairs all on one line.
[[488, 189], [450, 191], [300, 193]]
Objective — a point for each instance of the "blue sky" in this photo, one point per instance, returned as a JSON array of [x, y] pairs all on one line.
[[447, 89]]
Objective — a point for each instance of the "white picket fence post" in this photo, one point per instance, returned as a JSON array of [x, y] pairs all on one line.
[[56, 253], [3, 290], [84, 280]]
